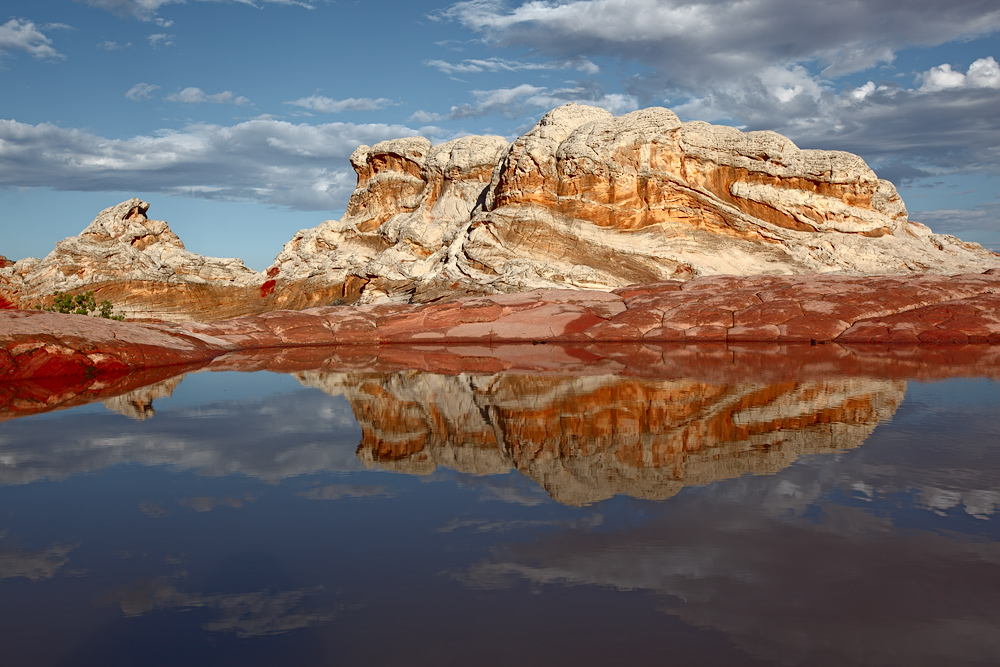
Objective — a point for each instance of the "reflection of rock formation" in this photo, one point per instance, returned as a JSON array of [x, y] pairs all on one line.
[[138, 403], [591, 437], [823, 564], [589, 200]]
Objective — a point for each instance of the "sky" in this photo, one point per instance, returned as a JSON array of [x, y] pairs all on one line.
[[235, 118]]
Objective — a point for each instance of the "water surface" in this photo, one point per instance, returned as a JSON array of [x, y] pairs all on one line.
[[373, 516]]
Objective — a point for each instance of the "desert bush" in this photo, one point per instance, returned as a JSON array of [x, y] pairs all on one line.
[[81, 304]]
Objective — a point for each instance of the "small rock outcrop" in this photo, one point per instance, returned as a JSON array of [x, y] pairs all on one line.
[[139, 265]]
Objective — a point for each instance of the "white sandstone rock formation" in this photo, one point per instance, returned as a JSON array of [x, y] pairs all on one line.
[[137, 263], [590, 200]]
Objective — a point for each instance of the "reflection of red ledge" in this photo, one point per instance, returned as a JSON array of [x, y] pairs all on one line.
[[927, 309], [21, 398], [714, 363]]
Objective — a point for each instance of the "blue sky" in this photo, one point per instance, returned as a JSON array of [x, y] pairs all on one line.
[[234, 118]]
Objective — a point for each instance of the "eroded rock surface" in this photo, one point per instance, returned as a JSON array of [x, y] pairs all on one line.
[[139, 265], [924, 309], [590, 200]]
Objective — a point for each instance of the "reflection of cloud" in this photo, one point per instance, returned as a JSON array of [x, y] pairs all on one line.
[[255, 614], [33, 565], [153, 510], [795, 578], [505, 525], [338, 491], [783, 589], [270, 439], [208, 503]]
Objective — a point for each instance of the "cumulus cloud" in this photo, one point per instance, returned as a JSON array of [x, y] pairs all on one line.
[[275, 162], [140, 92], [23, 35], [146, 10], [192, 95], [526, 98], [983, 73], [330, 105]]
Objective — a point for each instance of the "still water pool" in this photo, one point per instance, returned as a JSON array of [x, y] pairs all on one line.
[[410, 517]]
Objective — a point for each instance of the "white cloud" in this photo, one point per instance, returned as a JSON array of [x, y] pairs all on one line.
[[860, 93], [299, 166], [504, 101], [140, 91], [983, 73], [23, 35], [329, 105], [526, 98], [113, 46], [192, 95], [475, 66], [787, 83], [422, 116], [146, 10], [478, 65], [160, 39]]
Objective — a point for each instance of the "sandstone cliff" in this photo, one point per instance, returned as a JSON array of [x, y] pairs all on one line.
[[589, 200], [583, 200]]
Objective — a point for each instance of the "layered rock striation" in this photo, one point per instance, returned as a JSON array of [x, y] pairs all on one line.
[[921, 310], [584, 200], [587, 438]]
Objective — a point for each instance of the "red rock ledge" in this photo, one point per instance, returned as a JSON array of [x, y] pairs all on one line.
[[923, 309]]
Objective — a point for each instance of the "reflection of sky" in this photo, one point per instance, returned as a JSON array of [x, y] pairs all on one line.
[[248, 531]]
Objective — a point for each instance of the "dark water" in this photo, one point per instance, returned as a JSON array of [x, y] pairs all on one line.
[[411, 518]]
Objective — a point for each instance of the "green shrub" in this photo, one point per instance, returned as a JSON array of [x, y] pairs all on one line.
[[81, 304]]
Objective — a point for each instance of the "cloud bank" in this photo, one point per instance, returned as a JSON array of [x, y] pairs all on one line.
[[300, 166]]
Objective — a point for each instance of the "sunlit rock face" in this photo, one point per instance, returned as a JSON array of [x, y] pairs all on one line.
[[139, 265], [590, 200], [587, 438], [412, 202]]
